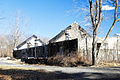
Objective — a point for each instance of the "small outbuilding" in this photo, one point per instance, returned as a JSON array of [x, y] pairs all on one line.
[[32, 47], [32, 41]]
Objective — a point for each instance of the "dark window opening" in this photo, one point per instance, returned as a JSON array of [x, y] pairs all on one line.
[[98, 45], [67, 36], [28, 45], [61, 50], [36, 44]]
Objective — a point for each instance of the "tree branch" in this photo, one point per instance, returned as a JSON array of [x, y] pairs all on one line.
[[115, 20], [96, 14], [118, 5], [91, 13], [100, 15]]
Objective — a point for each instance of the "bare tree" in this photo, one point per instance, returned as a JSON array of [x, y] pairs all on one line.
[[2, 46], [16, 35], [96, 19], [44, 39], [116, 19]]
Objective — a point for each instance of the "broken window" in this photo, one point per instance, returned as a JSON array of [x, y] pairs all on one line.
[[83, 35], [66, 36], [28, 45], [98, 45], [36, 44]]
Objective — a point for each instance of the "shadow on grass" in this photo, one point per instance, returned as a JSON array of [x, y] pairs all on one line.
[[16, 74]]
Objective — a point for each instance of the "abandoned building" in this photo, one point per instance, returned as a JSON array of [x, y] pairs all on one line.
[[74, 32], [32, 41], [110, 50], [31, 47], [72, 39]]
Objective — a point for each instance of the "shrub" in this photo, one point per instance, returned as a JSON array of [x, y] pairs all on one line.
[[71, 59]]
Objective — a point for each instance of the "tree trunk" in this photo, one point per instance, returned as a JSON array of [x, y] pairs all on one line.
[[93, 48]]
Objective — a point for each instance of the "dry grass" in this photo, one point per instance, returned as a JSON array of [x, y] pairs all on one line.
[[72, 59], [19, 74], [11, 67], [5, 77], [108, 64], [23, 73]]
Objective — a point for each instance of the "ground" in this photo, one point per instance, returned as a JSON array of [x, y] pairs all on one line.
[[15, 70]]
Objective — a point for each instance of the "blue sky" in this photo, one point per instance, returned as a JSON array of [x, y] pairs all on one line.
[[46, 18]]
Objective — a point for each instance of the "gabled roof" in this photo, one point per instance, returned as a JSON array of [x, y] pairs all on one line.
[[69, 27], [28, 40]]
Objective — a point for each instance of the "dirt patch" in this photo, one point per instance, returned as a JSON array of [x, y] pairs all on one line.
[[17, 74]]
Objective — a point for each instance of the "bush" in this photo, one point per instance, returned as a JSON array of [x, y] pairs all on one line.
[[72, 59]]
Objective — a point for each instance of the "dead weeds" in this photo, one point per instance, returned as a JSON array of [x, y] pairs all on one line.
[[72, 59], [108, 64]]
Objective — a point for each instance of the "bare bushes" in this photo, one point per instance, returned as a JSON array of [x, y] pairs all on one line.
[[71, 59]]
